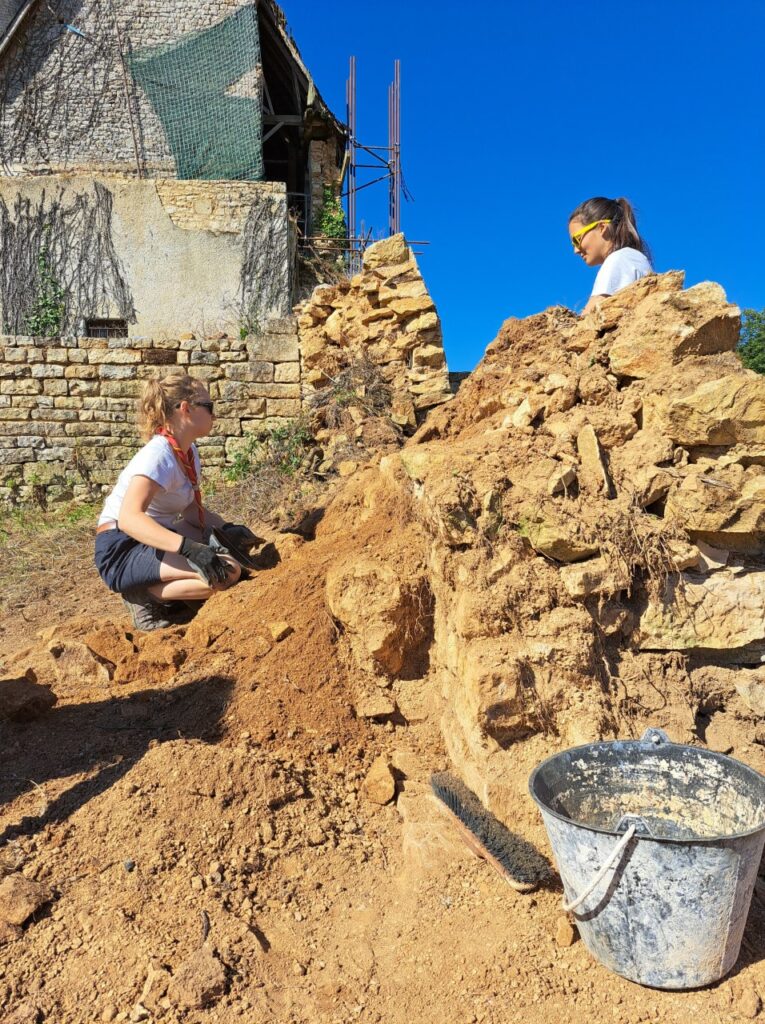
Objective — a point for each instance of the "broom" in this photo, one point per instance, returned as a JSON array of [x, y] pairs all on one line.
[[511, 856]]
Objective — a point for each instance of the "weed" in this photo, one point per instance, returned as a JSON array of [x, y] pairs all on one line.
[[330, 221], [281, 449], [45, 318]]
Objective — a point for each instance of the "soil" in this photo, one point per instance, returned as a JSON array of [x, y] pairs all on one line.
[[228, 790], [195, 806]]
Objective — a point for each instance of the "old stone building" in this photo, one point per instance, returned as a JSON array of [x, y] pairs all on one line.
[[158, 161], [105, 109]]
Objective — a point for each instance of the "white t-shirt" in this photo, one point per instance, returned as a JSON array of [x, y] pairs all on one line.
[[158, 462], [620, 268]]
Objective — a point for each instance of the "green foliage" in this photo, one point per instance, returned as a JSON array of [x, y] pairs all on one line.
[[330, 220], [45, 319], [751, 347], [280, 450]]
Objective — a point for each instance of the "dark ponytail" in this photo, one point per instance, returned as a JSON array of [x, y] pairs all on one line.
[[622, 230]]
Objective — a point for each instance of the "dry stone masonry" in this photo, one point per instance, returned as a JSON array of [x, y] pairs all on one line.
[[67, 406], [592, 517], [67, 409], [385, 315]]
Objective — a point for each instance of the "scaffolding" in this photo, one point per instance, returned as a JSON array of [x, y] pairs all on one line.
[[386, 160]]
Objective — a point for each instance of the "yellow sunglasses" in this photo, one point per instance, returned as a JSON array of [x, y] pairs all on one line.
[[576, 238]]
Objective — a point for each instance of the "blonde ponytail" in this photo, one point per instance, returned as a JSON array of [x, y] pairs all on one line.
[[160, 397]]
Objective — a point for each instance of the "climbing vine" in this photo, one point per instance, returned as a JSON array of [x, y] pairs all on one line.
[[58, 264], [330, 220], [46, 316]]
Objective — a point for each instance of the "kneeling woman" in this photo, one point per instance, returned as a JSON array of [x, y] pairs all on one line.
[[151, 536]]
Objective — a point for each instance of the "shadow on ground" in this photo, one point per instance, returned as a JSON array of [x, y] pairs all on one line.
[[102, 740]]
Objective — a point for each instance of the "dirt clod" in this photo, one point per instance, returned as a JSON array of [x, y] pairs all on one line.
[[199, 981], [20, 897]]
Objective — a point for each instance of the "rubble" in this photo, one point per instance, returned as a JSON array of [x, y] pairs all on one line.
[[383, 314]]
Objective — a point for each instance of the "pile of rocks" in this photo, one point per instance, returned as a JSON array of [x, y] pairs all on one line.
[[384, 315], [593, 504]]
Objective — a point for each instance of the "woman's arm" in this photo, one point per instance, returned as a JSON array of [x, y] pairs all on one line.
[[593, 302], [136, 523], [191, 516]]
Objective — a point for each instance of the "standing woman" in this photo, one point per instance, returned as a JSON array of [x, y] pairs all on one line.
[[604, 233], [152, 532]]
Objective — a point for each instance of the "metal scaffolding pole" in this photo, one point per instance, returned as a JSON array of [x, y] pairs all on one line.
[[350, 97]]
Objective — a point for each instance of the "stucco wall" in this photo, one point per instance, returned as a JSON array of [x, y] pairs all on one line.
[[187, 255]]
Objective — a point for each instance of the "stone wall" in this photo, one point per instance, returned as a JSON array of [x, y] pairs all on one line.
[[76, 87], [167, 256], [383, 315], [67, 407]]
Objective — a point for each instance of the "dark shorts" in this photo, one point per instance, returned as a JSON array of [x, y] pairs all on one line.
[[123, 562]]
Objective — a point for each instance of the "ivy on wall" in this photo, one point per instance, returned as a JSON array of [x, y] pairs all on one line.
[[58, 264]]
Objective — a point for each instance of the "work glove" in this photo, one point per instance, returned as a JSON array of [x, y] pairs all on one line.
[[242, 536], [203, 560]]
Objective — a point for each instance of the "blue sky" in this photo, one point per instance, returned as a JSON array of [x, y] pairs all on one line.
[[513, 113]]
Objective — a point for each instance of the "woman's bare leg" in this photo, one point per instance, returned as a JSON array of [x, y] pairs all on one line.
[[179, 582]]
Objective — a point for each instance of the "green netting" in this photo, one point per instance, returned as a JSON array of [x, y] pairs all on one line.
[[212, 135]]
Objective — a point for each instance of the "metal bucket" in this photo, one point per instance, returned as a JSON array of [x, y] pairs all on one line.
[[658, 846]]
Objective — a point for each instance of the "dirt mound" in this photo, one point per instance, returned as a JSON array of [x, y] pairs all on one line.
[[207, 810]]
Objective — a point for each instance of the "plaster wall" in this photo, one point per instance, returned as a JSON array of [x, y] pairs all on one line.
[[195, 255]]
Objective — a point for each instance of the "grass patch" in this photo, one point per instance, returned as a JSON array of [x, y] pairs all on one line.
[[40, 548]]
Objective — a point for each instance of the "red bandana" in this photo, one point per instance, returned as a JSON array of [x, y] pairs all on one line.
[[186, 460]]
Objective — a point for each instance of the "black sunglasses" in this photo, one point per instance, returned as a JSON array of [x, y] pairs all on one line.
[[205, 405]]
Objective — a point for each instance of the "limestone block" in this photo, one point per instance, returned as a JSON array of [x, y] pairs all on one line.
[[106, 371], [43, 371], [406, 286], [21, 387], [729, 410], [665, 327], [371, 316], [411, 306], [722, 610], [335, 327], [561, 479], [273, 390], [595, 576], [527, 411], [121, 389], [23, 699], [283, 407], [593, 473], [114, 355], [380, 610], [379, 785], [558, 539], [20, 897], [159, 356], [387, 252], [429, 355], [55, 387], [287, 373], [255, 370], [729, 502], [286, 325], [649, 484], [274, 348], [750, 686], [425, 322]]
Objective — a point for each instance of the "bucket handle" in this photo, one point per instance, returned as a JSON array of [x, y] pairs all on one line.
[[614, 856]]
